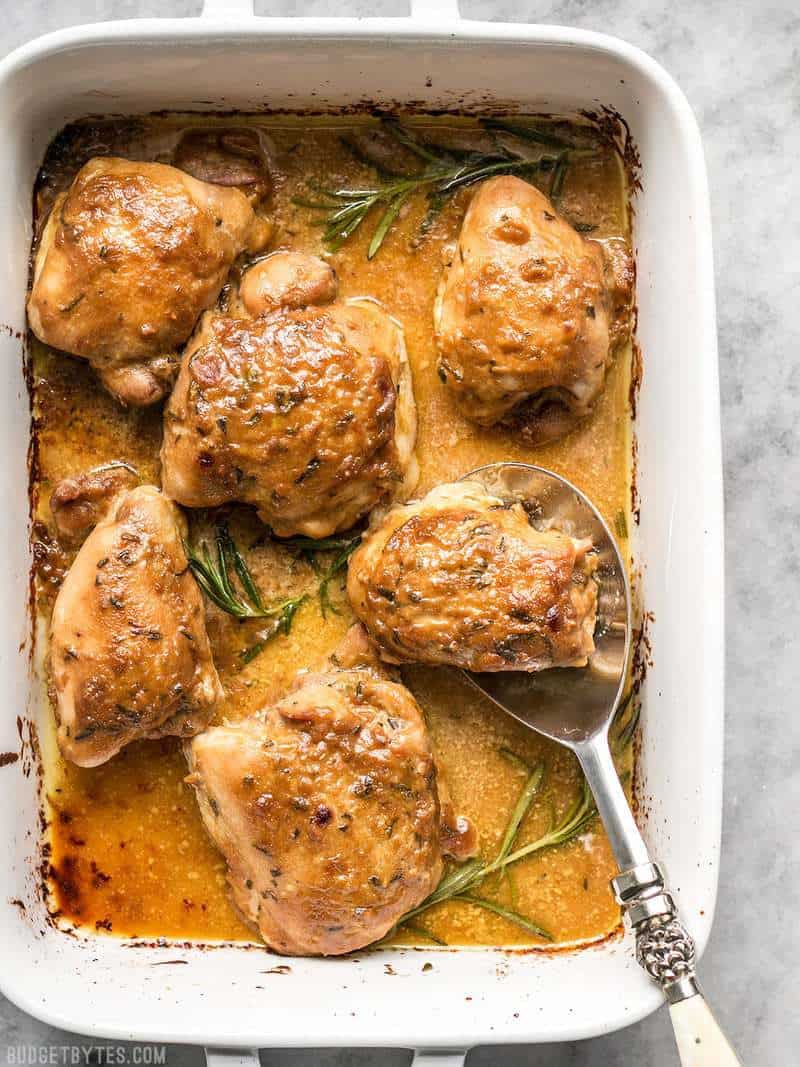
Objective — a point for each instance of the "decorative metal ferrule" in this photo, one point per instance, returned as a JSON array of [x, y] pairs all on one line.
[[664, 947]]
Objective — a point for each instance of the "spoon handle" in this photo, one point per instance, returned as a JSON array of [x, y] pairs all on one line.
[[700, 1041], [664, 947]]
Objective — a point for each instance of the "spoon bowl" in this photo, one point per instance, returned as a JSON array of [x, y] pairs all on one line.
[[567, 704]]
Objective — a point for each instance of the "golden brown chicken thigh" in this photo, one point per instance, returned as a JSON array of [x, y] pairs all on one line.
[[462, 578], [325, 806], [307, 413], [129, 653], [130, 257], [528, 313]]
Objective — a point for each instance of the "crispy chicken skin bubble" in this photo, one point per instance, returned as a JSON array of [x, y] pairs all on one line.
[[462, 578]]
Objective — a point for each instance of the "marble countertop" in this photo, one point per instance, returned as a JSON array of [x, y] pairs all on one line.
[[738, 64]]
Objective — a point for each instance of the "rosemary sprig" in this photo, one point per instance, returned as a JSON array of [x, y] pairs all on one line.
[[343, 546], [214, 575], [460, 882], [573, 822], [442, 174], [338, 565]]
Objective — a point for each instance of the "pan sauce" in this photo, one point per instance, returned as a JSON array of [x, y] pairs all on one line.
[[129, 853]]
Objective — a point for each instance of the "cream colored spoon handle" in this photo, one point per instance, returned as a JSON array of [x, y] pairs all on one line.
[[700, 1041]]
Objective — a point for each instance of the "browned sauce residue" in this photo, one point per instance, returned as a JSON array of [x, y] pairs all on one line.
[[129, 853]]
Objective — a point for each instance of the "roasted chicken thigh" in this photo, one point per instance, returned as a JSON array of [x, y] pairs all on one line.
[[462, 578], [131, 255], [305, 412], [325, 806], [129, 653], [528, 313]]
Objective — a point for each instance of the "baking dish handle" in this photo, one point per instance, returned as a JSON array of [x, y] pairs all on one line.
[[229, 1057], [232, 1057], [439, 1058], [421, 10]]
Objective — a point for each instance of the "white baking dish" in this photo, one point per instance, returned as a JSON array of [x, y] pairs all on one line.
[[98, 985]]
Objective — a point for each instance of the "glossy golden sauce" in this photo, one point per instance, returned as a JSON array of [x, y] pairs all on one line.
[[129, 853]]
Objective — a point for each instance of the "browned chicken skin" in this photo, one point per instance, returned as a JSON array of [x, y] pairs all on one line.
[[130, 257], [307, 414], [458, 836], [78, 504], [129, 653], [325, 806], [528, 313], [287, 280], [461, 578]]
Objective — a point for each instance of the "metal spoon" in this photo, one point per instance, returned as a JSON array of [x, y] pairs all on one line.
[[576, 706]]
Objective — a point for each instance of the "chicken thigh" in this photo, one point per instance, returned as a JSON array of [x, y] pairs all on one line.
[[131, 255], [528, 313], [325, 807], [305, 412], [462, 578], [129, 653]]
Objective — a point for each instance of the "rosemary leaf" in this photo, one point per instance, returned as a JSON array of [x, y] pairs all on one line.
[[514, 759], [247, 655], [525, 132], [245, 577], [422, 931], [310, 544], [222, 564], [521, 809], [582, 812], [559, 175], [403, 137], [208, 587], [388, 217], [290, 609], [338, 565], [457, 880], [509, 915]]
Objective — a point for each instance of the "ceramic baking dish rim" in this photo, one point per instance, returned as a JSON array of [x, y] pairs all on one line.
[[204, 33]]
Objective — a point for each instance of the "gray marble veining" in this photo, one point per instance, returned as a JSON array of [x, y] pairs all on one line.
[[738, 63]]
